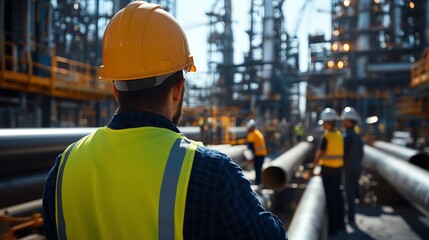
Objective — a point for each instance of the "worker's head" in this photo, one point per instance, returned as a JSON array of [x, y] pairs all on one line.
[[145, 53], [350, 117], [328, 118], [251, 125]]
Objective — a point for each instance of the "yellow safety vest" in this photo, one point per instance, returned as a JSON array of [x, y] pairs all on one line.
[[335, 150], [258, 141], [124, 184]]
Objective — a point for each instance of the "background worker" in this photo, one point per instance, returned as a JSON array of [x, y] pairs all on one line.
[[139, 177], [330, 157], [299, 132], [353, 154], [256, 143]]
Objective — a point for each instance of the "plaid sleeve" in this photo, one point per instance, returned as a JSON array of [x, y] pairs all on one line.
[[241, 216]]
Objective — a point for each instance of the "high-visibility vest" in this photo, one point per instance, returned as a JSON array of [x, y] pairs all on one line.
[[258, 141], [335, 150], [124, 184]]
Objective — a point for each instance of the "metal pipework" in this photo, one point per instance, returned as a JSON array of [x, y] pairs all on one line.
[[26, 155], [413, 156], [410, 181], [278, 172], [24, 209], [235, 152], [308, 220], [23, 150]]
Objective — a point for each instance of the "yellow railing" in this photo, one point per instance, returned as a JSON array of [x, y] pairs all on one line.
[[411, 105], [61, 77], [420, 71]]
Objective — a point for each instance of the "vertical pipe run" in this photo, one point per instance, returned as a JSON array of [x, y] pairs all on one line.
[[268, 48]]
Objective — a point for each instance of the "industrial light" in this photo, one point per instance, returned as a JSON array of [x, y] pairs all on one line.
[[411, 4], [334, 46], [346, 3], [340, 64], [336, 32], [76, 6], [346, 47], [331, 64], [371, 120], [377, 1]]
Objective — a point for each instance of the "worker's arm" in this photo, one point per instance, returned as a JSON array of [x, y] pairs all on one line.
[[49, 222], [319, 154], [241, 216]]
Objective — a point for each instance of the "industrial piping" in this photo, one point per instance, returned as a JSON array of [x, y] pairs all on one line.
[[410, 181], [23, 150], [308, 221], [278, 172], [26, 155], [235, 152], [413, 156]]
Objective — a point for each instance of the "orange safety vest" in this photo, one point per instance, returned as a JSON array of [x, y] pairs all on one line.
[[258, 141]]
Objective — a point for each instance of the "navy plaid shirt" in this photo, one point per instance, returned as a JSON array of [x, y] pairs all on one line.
[[220, 203]]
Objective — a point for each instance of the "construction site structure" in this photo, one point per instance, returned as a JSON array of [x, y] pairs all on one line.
[[265, 85], [366, 63], [50, 52]]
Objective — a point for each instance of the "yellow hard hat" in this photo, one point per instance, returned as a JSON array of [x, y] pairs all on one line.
[[144, 41]]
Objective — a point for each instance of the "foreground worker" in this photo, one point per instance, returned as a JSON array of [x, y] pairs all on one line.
[[256, 143], [330, 157], [353, 154], [139, 177]]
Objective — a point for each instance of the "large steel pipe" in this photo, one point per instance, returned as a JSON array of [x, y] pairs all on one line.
[[21, 188], [24, 209], [24, 150], [410, 181], [235, 152], [278, 172], [308, 220], [414, 156]]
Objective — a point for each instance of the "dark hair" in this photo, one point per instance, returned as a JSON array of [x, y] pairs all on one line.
[[153, 98]]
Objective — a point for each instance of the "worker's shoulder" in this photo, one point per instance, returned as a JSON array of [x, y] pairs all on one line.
[[209, 154]]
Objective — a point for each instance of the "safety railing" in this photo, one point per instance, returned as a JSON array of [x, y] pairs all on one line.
[[52, 75], [420, 71]]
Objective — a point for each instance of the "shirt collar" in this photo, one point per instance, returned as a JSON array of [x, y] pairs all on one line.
[[124, 120]]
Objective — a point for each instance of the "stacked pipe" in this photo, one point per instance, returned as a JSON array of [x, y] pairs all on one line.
[[410, 181], [413, 156], [277, 173], [26, 155], [308, 220]]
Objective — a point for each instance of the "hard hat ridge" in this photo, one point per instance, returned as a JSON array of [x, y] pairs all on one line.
[[328, 114], [350, 113], [143, 41]]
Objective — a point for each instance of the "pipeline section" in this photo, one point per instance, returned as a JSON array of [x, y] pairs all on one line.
[[410, 181], [277, 173], [308, 221], [413, 156], [26, 156]]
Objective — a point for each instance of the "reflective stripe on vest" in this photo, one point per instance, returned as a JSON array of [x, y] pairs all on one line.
[[334, 151], [167, 196]]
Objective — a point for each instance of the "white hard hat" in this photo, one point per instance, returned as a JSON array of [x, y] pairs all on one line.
[[350, 113], [251, 123], [328, 114]]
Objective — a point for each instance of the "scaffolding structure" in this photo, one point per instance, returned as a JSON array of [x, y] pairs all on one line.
[[50, 52]]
